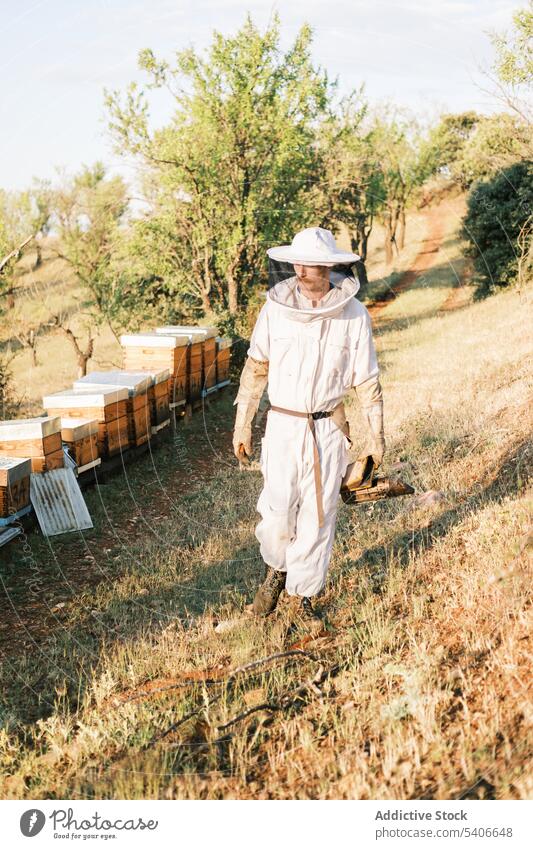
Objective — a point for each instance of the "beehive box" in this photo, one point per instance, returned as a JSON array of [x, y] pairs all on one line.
[[137, 407], [107, 406], [202, 359], [158, 398], [223, 359], [14, 485], [81, 437], [38, 439], [152, 352]]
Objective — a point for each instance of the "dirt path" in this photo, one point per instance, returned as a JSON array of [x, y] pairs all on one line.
[[459, 296], [424, 260]]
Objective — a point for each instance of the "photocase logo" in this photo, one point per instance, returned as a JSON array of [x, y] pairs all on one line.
[[32, 822]]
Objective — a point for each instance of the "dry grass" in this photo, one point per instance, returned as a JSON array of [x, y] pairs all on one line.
[[51, 289], [420, 685]]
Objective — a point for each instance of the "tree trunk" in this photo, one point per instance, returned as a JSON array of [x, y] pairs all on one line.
[[206, 302], [39, 256], [361, 272], [364, 247], [389, 236], [83, 359], [401, 234], [232, 295]]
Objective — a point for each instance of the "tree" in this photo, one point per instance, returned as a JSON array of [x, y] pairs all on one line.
[[40, 200], [89, 212], [513, 66], [497, 142], [514, 54], [498, 216], [446, 141], [16, 232], [398, 145], [351, 192], [230, 173], [83, 354]]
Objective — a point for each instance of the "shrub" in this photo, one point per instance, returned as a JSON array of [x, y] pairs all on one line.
[[497, 212]]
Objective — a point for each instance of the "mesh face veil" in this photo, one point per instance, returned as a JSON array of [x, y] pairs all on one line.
[[279, 271]]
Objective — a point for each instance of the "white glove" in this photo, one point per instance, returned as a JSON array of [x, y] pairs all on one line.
[[370, 397], [253, 380], [242, 432]]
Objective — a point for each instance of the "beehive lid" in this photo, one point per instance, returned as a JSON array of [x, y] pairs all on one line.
[[80, 398], [184, 330], [224, 342], [156, 375], [58, 502], [152, 340], [135, 382], [22, 429], [13, 469], [74, 428]]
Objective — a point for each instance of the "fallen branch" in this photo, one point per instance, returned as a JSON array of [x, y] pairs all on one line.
[[176, 725], [264, 706], [187, 682], [287, 699], [255, 663]]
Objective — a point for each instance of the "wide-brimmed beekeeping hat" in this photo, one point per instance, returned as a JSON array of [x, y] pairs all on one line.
[[313, 246]]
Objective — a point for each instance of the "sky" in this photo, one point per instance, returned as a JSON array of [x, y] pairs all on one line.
[[58, 56]]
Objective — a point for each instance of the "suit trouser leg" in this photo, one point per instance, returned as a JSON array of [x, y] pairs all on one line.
[[289, 533]]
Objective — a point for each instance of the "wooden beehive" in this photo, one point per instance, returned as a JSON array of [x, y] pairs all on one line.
[[202, 357], [158, 398], [107, 406], [153, 352], [81, 438], [137, 407], [38, 439], [223, 359], [14, 485]]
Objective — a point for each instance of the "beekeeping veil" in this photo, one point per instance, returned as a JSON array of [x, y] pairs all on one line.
[[314, 246]]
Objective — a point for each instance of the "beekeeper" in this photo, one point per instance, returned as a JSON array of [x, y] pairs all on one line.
[[312, 343]]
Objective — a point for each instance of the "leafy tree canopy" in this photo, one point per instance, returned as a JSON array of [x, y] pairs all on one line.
[[234, 166]]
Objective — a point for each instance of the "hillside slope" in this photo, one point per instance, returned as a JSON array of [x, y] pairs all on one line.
[[149, 680]]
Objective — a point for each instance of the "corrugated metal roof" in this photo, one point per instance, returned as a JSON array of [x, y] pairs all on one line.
[[58, 502]]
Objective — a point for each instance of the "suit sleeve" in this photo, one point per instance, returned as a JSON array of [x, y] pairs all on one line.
[[366, 363], [260, 341]]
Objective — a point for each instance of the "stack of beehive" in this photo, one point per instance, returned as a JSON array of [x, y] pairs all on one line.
[[158, 398], [14, 485], [106, 406], [223, 360], [81, 438], [38, 439], [202, 356], [152, 352], [137, 407]]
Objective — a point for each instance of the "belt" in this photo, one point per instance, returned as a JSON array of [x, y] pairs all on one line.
[[311, 418]]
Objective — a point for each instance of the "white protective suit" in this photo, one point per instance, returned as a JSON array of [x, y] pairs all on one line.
[[315, 355]]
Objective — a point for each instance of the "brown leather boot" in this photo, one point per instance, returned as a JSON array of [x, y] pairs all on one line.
[[307, 619], [266, 597]]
